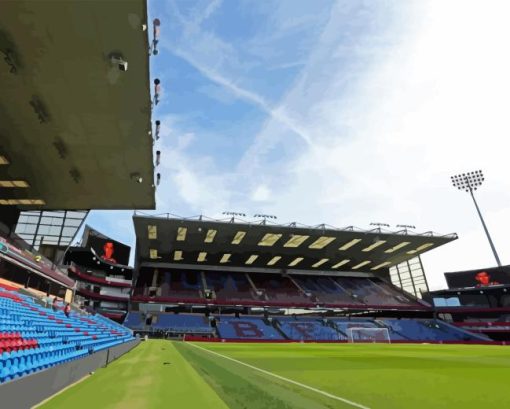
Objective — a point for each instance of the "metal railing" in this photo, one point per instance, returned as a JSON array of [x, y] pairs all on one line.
[[319, 227]]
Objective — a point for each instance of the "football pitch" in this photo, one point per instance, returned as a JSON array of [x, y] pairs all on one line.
[[164, 374]]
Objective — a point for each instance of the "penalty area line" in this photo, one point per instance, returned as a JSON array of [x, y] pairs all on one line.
[[302, 385]]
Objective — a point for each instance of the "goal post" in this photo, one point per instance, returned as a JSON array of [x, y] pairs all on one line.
[[365, 335]]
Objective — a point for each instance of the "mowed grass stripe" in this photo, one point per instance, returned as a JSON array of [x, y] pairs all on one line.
[[293, 403], [141, 380], [390, 376]]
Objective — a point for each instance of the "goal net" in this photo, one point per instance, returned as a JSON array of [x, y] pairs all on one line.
[[368, 335]]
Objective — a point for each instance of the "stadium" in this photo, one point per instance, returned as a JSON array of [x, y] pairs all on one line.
[[227, 311]]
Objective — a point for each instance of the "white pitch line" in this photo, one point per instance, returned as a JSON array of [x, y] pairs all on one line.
[[329, 395]]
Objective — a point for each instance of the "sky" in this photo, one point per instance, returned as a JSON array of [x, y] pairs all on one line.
[[338, 112]]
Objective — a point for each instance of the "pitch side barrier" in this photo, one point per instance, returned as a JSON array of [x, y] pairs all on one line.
[[30, 390], [191, 338]]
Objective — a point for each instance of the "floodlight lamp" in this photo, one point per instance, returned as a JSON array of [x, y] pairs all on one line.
[[136, 177]]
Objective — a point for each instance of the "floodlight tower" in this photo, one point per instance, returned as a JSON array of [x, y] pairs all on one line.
[[469, 182]]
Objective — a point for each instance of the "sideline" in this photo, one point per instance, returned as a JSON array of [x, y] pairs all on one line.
[[302, 385]]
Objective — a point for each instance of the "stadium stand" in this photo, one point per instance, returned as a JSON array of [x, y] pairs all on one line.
[[33, 338], [182, 323], [302, 328], [427, 330], [185, 283], [278, 288], [134, 320], [325, 289], [271, 289], [305, 329], [343, 324], [246, 328], [371, 291], [172, 284], [229, 286]]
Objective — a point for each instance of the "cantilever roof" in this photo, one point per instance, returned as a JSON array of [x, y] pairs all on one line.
[[74, 130], [209, 242]]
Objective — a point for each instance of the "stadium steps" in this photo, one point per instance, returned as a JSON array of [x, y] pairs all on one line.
[[443, 326], [276, 325]]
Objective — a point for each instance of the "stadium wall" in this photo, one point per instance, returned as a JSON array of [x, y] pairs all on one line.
[[30, 390]]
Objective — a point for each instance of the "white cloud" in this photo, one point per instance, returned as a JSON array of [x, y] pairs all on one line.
[[261, 194], [391, 102], [433, 102], [207, 12], [187, 178]]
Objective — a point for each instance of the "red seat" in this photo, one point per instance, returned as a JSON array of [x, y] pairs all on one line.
[[8, 287]]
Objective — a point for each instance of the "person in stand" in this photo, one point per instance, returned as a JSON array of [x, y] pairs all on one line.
[[67, 310], [54, 305]]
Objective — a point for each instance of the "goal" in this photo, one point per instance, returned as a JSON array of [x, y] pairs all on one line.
[[362, 334]]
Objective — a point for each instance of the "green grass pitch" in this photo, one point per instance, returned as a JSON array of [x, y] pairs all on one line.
[[164, 374]]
